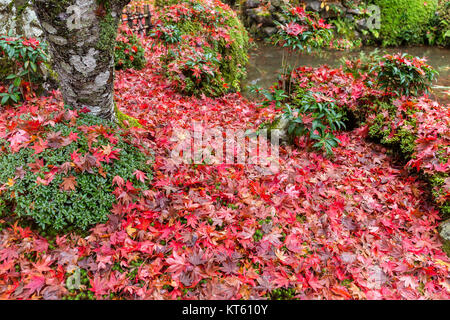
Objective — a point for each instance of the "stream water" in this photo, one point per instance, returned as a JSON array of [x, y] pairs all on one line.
[[265, 64]]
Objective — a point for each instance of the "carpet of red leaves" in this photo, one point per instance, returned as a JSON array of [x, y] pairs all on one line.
[[353, 227]]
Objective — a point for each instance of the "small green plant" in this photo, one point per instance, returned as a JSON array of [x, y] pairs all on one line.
[[282, 294], [302, 31], [129, 52], [317, 118], [274, 97], [403, 74], [22, 62]]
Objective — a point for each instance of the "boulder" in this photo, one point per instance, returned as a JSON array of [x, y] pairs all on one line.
[[252, 4], [314, 5], [361, 25], [270, 31]]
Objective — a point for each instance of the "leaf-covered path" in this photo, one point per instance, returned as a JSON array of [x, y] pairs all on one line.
[[353, 227]]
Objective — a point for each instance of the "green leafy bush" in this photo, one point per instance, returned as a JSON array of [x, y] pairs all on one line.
[[439, 29], [307, 115], [405, 21], [129, 52], [302, 30], [65, 170], [404, 74], [206, 46], [382, 128], [316, 117], [22, 68]]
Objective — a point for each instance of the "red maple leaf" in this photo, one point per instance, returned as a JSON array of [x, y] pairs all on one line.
[[69, 184]]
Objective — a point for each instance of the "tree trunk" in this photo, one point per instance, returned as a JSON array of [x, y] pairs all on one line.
[[81, 35]]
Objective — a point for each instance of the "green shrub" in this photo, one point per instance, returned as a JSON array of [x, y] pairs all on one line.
[[382, 128], [404, 74], [22, 68], [439, 29], [302, 30], [308, 115], [62, 177], [129, 52], [206, 46], [405, 21]]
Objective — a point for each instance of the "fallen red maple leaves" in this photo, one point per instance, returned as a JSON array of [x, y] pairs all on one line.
[[355, 227]]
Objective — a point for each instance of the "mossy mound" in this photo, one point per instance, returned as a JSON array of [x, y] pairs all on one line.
[[207, 46], [405, 21]]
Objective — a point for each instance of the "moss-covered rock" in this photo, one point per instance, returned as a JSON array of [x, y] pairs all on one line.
[[405, 21], [207, 46], [126, 121], [70, 183], [444, 232]]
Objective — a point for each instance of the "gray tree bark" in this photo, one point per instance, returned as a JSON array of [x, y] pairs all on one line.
[[81, 35]]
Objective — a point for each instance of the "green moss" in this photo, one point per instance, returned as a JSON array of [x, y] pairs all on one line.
[[108, 34], [405, 21], [437, 181], [122, 117]]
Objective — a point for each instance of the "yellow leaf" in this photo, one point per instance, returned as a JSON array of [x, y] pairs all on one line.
[[443, 263], [10, 182], [327, 8], [322, 5], [131, 231]]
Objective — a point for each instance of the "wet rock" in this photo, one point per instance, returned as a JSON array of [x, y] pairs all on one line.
[[270, 31], [361, 25], [252, 13], [252, 4], [313, 6], [350, 17], [444, 232], [355, 12]]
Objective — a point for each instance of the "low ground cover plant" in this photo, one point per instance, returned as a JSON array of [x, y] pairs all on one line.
[[65, 169]]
